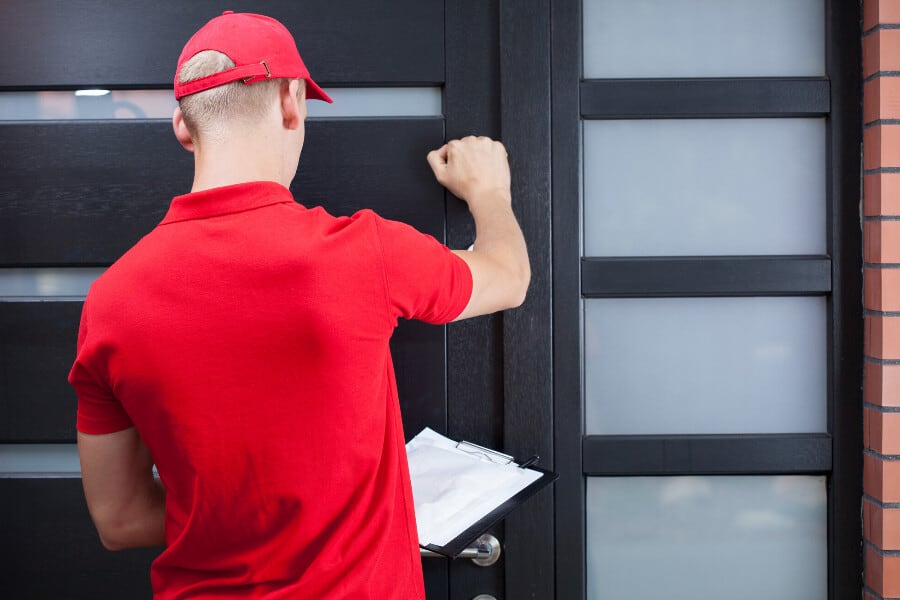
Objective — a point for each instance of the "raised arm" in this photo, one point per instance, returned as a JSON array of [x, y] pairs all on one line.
[[126, 502], [477, 171]]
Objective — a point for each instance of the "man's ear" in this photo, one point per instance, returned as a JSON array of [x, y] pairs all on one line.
[[290, 99], [181, 131]]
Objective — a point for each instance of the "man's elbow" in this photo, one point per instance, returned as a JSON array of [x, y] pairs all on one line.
[[519, 289], [119, 532], [111, 545], [112, 535]]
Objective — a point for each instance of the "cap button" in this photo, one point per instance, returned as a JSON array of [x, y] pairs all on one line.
[[228, 12]]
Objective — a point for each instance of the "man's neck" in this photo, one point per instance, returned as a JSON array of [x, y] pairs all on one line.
[[237, 160]]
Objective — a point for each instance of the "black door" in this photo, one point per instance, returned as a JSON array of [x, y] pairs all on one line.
[[76, 193]]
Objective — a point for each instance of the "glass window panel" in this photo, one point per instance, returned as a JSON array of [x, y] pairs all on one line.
[[684, 538], [159, 104], [39, 460], [705, 365], [41, 283], [704, 38], [704, 187]]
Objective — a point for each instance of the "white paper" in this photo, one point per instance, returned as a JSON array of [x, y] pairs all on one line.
[[454, 487]]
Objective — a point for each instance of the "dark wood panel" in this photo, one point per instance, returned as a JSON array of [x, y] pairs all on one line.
[[704, 98], [37, 347], [348, 165], [51, 549], [707, 454], [84, 43], [474, 346], [81, 193], [705, 276], [527, 331], [419, 363]]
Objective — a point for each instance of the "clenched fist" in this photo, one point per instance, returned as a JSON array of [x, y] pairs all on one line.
[[473, 168]]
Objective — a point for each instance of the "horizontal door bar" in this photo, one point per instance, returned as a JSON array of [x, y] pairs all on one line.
[[136, 44], [706, 276], [707, 454], [704, 98], [120, 176]]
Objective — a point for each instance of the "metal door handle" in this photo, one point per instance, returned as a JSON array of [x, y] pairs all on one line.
[[484, 552]]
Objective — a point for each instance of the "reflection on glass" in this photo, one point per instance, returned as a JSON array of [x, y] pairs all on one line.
[[81, 104], [705, 365], [704, 38], [704, 187], [687, 538]]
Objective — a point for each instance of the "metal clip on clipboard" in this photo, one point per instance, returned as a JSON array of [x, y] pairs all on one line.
[[491, 455]]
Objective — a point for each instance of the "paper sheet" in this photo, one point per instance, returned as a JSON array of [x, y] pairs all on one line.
[[454, 487]]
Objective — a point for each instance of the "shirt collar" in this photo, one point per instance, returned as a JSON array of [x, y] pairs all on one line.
[[226, 200]]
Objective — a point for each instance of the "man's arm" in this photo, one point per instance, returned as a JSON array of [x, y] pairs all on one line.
[[477, 171], [127, 504]]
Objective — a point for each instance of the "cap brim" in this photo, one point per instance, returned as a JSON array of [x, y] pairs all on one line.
[[314, 92]]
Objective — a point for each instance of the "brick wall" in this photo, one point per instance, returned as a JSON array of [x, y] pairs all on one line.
[[881, 207]]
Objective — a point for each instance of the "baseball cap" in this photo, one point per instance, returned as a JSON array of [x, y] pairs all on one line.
[[259, 46]]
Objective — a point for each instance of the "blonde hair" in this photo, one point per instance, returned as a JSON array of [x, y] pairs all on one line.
[[207, 111]]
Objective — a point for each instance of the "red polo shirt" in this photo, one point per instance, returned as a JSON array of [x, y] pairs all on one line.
[[246, 338]]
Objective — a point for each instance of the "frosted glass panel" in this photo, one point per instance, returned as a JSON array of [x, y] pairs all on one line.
[[704, 187], [39, 460], [703, 38], [686, 538], [705, 365], [159, 104], [40, 283]]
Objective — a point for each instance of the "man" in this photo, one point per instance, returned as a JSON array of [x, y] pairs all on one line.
[[242, 347]]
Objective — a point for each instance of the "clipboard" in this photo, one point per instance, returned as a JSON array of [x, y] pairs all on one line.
[[468, 513]]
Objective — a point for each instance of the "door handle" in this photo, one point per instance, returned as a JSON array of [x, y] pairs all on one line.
[[484, 552]]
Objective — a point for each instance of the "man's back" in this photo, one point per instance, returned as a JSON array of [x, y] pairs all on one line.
[[247, 340], [242, 347]]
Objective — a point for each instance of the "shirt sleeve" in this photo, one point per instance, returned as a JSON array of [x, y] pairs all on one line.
[[425, 280], [98, 409]]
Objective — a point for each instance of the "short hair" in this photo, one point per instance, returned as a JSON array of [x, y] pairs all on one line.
[[235, 102]]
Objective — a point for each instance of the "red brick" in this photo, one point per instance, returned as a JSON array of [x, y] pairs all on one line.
[[883, 573], [880, 12], [872, 523], [882, 384], [881, 146], [882, 337], [882, 289], [881, 478], [881, 241], [881, 99], [890, 531], [882, 431], [881, 51], [881, 194]]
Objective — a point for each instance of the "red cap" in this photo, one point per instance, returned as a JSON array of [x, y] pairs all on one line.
[[259, 46]]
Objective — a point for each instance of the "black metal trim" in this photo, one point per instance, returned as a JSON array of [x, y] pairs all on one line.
[[769, 454], [705, 276], [844, 139], [705, 98]]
